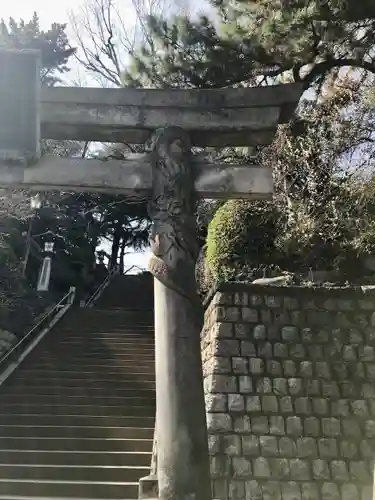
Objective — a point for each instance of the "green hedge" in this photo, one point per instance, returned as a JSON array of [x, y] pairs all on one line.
[[241, 234]]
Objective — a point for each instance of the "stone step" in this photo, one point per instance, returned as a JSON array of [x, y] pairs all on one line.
[[92, 357], [111, 365], [88, 410], [51, 431], [106, 384], [35, 419], [76, 374], [94, 473], [69, 489], [72, 444], [76, 458], [70, 400], [88, 391]]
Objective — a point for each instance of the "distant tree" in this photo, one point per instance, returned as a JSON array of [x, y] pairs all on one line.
[[53, 45]]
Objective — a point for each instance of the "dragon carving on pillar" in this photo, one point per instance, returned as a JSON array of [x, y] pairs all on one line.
[[173, 240]]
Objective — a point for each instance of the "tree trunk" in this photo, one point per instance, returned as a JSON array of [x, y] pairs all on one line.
[[122, 255], [115, 245]]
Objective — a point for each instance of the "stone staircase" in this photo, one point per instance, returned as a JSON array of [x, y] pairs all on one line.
[[77, 417]]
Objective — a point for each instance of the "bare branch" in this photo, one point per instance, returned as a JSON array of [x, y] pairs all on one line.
[[106, 38]]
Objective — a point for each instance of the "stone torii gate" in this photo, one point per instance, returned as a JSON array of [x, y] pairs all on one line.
[[171, 122]]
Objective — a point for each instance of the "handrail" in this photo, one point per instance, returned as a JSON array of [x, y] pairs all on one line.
[[115, 270], [112, 272], [59, 309]]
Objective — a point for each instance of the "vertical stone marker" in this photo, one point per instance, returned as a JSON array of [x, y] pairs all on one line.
[[19, 106], [171, 178]]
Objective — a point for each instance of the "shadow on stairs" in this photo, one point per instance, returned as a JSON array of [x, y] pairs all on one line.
[[77, 416]]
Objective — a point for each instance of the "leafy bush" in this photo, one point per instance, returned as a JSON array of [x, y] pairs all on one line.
[[241, 234]]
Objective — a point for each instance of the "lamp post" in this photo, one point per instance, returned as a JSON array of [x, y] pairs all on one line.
[[45, 272], [35, 204]]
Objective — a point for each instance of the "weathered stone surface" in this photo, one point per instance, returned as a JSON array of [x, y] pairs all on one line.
[[295, 386], [268, 446], [250, 445], [236, 403], [291, 491], [300, 469], [290, 369], [310, 491], [280, 468], [253, 490], [339, 470], [287, 447], [231, 444], [264, 385], [260, 332], [216, 402], [227, 347], [240, 365], [320, 406], [360, 408], [312, 426], [241, 298], [307, 447], [271, 490], [222, 330], [236, 490], [241, 331], [247, 348], [359, 471], [261, 468], [304, 404], [350, 492], [306, 369], [277, 425], [220, 383], [259, 425], [253, 404], [328, 448], [219, 422], [249, 315], [290, 334], [241, 424], [280, 386], [245, 384], [286, 405], [331, 427], [220, 466], [348, 449], [330, 491], [294, 426], [269, 404], [273, 368], [321, 470], [256, 366]]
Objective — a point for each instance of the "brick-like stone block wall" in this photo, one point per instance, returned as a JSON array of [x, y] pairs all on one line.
[[289, 376]]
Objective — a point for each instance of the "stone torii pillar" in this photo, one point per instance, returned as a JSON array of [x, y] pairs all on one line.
[[182, 454], [171, 178]]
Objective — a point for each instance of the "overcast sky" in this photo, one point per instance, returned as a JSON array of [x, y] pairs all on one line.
[[48, 11]]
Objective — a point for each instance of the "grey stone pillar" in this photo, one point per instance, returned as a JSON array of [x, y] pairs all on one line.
[[182, 449]]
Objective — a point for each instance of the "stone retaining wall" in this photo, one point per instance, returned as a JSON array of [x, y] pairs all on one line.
[[289, 378]]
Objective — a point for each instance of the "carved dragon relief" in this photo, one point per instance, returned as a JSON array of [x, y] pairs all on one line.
[[173, 240]]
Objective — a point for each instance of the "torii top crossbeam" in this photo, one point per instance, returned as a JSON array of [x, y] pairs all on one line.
[[217, 117]]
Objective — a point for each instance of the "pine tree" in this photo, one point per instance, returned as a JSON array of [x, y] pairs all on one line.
[[258, 41], [53, 45]]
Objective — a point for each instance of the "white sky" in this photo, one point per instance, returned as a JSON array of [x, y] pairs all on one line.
[[48, 11]]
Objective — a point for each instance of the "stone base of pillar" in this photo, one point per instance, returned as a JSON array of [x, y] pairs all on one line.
[[148, 488]]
